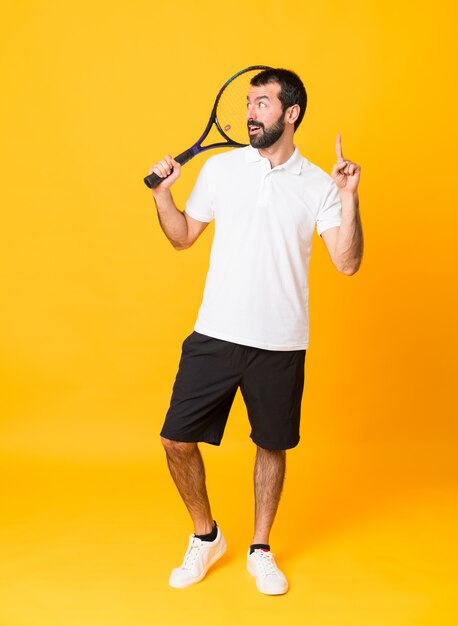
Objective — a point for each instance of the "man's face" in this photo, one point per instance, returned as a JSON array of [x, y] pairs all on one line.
[[265, 117]]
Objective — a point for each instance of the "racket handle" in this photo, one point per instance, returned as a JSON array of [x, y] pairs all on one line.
[[153, 179]]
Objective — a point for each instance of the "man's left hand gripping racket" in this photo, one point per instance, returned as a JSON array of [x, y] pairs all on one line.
[[228, 115]]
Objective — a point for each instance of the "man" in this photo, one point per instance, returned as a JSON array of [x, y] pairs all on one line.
[[252, 326]]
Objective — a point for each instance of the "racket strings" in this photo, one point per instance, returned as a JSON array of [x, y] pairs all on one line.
[[232, 107]]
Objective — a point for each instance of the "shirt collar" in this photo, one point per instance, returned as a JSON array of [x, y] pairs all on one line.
[[293, 164]]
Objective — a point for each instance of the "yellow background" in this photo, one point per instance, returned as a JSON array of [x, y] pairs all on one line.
[[96, 303]]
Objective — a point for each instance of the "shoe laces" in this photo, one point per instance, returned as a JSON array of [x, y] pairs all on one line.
[[192, 552], [266, 562]]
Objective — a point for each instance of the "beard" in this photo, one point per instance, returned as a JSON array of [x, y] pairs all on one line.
[[267, 138]]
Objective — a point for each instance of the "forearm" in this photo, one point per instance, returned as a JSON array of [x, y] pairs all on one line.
[[172, 221], [349, 245]]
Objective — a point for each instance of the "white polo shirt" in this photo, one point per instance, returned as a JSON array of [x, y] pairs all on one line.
[[256, 291]]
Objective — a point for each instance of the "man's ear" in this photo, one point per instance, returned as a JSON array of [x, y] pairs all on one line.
[[293, 113]]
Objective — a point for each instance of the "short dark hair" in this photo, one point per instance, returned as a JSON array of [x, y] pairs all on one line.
[[292, 89]]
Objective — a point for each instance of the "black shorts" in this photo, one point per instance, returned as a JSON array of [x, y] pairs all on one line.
[[209, 374]]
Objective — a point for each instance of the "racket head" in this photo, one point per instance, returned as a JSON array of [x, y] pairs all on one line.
[[229, 110]]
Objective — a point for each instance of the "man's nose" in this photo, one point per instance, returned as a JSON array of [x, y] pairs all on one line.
[[251, 113]]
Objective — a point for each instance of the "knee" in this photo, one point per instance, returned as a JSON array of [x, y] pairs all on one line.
[[177, 448], [270, 452]]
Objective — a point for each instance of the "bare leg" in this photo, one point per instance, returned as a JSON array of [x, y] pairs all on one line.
[[187, 469], [269, 474]]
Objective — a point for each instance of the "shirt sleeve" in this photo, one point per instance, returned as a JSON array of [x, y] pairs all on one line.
[[200, 203], [330, 211]]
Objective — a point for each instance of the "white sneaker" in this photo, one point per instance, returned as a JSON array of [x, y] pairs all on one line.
[[269, 579], [199, 557]]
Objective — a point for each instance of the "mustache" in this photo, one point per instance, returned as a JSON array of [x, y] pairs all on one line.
[[252, 122]]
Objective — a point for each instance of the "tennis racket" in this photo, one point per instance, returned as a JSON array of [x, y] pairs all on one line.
[[228, 115]]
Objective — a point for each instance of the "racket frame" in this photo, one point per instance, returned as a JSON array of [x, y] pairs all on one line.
[[152, 180]]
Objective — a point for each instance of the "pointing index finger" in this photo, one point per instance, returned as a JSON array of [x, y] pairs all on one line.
[[339, 147]]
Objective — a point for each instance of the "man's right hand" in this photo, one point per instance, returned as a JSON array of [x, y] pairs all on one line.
[[169, 170]]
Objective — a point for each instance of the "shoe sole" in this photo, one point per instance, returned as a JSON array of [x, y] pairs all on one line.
[[268, 593], [221, 551]]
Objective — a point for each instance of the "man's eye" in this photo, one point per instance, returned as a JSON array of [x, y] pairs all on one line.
[[262, 105]]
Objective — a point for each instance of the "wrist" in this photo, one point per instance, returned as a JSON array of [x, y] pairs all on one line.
[[161, 192], [345, 193]]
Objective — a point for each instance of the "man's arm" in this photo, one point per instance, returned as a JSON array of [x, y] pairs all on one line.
[[345, 242], [179, 228]]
